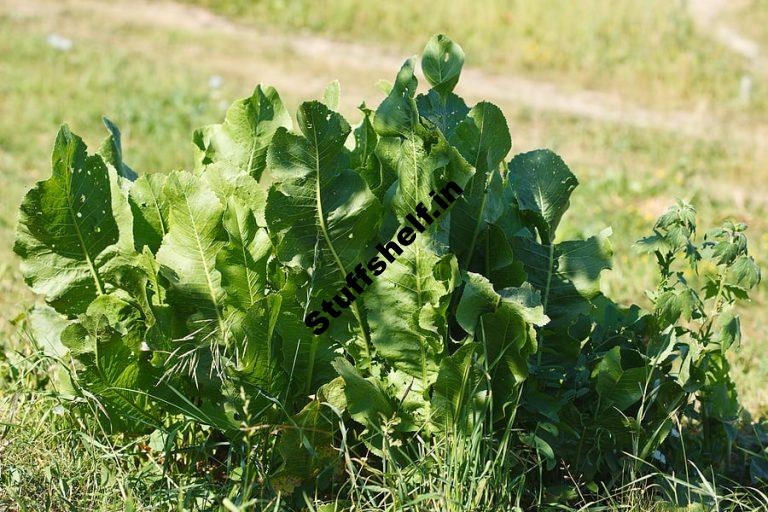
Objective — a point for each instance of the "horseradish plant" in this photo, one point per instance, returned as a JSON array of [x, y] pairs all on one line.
[[182, 297]]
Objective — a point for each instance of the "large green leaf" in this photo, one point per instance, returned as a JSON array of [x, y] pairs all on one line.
[[194, 239], [423, 160], [424, 169], [441, 62], [332, 94], [543, 185], [112, 151], [373, 156], [445, 112], [122, 315], [46, 326], [138, 276], [504, 324], [566, 274], [483, 140], [117, 377], [307, 444], [727, 329], [494, 258], [367, 402], [65, 225], [239, 145], [306, 357], [398, 114], [718, 395], [619, 387], [407, 310], [242, 262], [321, 214], [257, 366], [479, 298]]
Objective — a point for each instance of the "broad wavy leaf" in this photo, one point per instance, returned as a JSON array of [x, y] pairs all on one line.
[[66, 225]]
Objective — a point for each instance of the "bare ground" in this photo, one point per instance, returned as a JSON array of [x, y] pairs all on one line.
[[708, 15]]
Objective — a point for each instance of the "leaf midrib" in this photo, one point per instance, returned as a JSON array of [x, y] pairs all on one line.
[[476, 230], [248, 273], [422, 340], [545, 298], [326, 236], [157, 208], [204, 262], [81, 240]]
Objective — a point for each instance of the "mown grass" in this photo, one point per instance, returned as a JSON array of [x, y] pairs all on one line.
[[155, 84]]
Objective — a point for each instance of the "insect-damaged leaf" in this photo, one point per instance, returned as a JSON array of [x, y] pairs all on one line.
[[441, 62], [398, 115], [65, 226]]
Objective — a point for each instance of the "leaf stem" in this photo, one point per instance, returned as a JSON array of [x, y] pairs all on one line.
[[550, 271]]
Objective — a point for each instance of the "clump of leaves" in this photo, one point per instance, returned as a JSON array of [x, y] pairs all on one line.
[[180, 298]]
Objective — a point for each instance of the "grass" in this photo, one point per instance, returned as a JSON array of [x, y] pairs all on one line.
[[154, 82], [47, 459], [54, 459], [648, 50], [751, 17]]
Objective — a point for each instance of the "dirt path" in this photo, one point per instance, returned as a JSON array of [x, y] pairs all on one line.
[[707, 14], [371, 61], [508, 88]]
